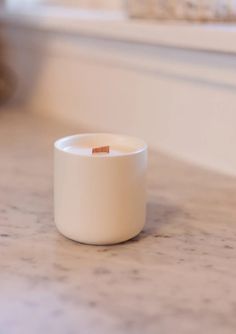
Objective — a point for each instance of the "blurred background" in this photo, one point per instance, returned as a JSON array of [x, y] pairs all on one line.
[[162, 70]]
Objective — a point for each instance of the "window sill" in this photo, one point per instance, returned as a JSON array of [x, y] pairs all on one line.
[[114, 25]]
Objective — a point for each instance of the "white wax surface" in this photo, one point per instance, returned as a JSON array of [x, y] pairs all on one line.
[[87, 151]]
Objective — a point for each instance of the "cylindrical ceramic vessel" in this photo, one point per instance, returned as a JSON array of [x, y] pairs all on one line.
[[100, 198]]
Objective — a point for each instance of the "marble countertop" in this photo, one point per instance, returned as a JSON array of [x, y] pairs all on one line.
[[177, 276]]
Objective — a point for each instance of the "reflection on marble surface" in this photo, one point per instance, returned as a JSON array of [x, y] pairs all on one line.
[[177, 276]]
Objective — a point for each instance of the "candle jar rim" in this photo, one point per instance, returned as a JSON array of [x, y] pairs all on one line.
[[133, 145]]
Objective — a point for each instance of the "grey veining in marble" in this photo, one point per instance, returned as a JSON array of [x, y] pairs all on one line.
[[177, 276]]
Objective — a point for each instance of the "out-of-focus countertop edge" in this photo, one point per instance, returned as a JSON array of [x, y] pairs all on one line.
[[216, 37]]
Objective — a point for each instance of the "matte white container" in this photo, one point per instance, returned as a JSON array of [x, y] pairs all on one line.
[[100, 198]]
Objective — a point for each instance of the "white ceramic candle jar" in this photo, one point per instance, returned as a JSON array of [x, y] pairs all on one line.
[[100, 198]]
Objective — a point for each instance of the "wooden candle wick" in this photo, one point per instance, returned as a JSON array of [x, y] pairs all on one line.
[[101, 149]]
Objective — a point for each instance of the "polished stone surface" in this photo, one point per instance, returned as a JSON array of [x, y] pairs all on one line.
[[177, 276]]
